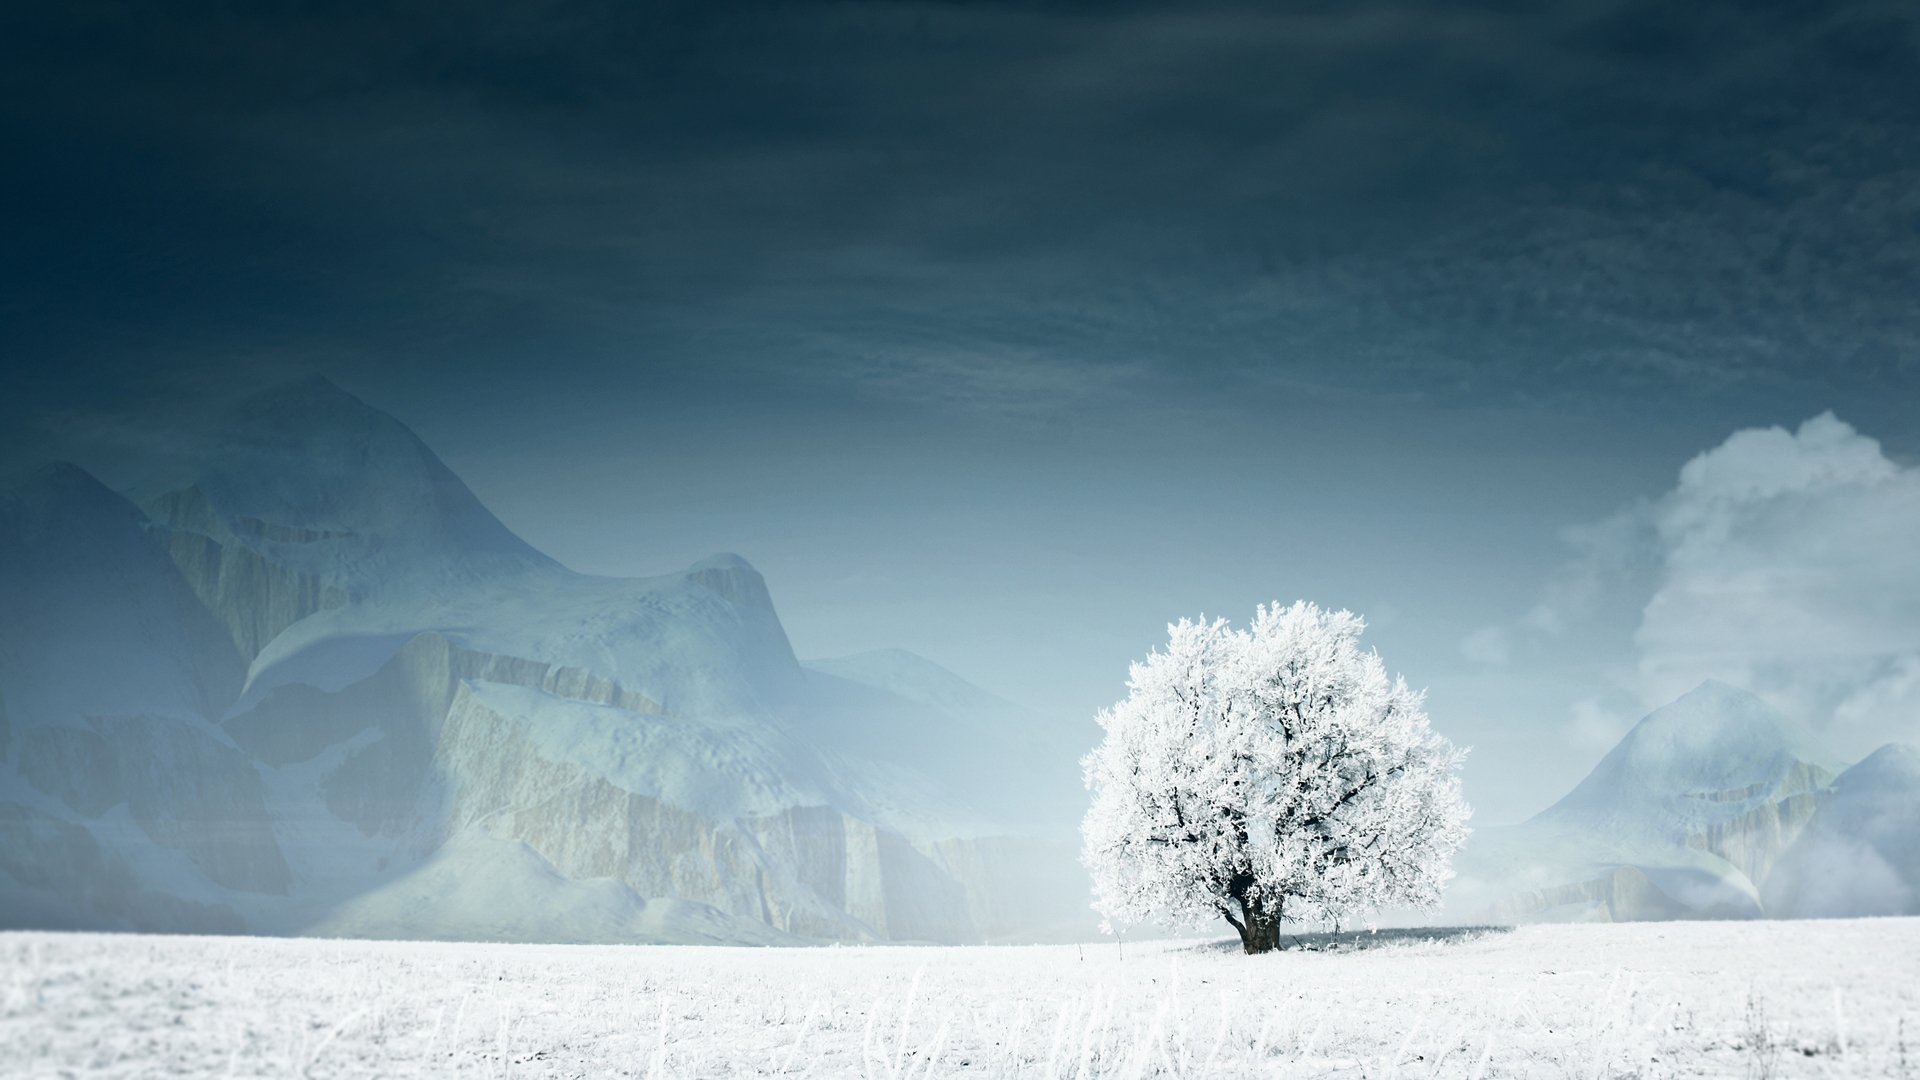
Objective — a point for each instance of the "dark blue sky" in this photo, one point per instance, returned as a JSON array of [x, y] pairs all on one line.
[[1004, 332]]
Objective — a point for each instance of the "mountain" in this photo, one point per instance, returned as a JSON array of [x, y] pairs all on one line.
[[109, 766], [1860, 853], [313, 684], [1707, 808]]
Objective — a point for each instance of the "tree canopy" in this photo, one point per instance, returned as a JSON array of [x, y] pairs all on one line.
[[1267, 773]]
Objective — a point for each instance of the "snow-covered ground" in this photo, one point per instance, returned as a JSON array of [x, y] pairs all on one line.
[[1816, 998]]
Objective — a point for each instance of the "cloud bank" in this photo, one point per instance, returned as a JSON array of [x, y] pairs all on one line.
[[1788, 565], [1782, 561], [922, 203]]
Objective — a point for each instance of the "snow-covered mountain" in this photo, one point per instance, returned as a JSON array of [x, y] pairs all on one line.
[[315, 685], [1860, 853], [1703, 810]]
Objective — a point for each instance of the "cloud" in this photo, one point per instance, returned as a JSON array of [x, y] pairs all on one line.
[[1789, 566], [1596, 726], [1489, 645], [1782, 561], [1463, 202]]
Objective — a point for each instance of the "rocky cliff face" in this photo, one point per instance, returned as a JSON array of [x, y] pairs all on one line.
[[250, 595], [316, 686]]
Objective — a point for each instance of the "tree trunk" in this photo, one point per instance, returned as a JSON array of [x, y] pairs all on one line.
[[1261, 933], [1259, 928]]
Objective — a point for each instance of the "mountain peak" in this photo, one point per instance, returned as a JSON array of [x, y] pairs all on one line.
[[49, 479], [1894, 762], [734, 578], [64, 492], [1713, 690], [725, 561], [305, 458], [1715, 738], [306, 407], [1714, 708]]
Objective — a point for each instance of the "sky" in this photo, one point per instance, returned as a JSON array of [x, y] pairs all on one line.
[[1573, 344]]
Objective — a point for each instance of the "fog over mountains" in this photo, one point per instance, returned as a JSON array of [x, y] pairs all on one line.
[[319, 687], [1714, 806], [315, 686]]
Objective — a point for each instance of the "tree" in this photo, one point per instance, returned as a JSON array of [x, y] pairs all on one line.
[[1268, 773]]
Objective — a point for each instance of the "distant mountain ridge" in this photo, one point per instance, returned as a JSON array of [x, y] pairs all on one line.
[[313, 685], [1705, 809], [317, 686]]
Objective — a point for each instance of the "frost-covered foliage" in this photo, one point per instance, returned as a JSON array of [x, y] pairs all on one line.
[[1268, 773]]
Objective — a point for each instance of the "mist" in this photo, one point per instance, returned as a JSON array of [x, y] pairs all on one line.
[[682, 475]]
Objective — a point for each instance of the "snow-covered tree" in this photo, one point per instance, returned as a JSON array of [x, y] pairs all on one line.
[[1268, 773]]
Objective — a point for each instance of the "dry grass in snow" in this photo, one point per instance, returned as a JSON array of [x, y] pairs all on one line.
[[1839, 998]]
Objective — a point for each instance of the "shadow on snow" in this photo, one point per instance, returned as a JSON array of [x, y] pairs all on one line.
[[1360, 940]]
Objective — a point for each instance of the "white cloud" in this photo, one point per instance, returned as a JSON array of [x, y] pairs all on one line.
[[1784, 561], [1489, 645], [1790, 566], [1610, 557], [1595, 726]]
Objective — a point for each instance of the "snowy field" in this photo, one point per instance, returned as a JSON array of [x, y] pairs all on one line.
[[1839, 998]]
